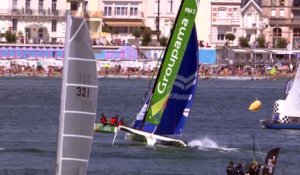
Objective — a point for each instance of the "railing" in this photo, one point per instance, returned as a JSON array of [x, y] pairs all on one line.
[[91, 14], [126, 14], [217, 21], [32, 12]]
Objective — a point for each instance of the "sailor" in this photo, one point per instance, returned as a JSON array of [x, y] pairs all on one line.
[[121, 122], [113, 121], [229, 168], [103, 119], [239, 169]]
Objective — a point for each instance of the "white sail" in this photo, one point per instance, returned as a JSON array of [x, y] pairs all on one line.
[[78, 100], [292, 102]]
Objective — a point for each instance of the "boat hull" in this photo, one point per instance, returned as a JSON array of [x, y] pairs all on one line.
[[269, 124], [151, 139], [99, 127]]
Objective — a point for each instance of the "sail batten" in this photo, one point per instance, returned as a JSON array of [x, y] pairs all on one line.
[[78, 136], [79, 112], [72, 159], [85, 85]]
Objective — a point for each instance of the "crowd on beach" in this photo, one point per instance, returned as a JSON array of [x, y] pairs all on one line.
[[142, 71]]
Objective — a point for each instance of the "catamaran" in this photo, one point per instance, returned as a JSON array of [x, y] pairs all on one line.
[[286, 113], [78, 100], [168, 104]]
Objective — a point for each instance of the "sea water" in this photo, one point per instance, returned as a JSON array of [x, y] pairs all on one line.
[[220, 128]]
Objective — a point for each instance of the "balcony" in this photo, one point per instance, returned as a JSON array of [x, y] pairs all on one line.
[[90, 14], [281, 21], [225, 22], [122, 15], [31, 12]]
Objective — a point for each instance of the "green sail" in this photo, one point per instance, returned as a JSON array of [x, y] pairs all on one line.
[[172, 60]]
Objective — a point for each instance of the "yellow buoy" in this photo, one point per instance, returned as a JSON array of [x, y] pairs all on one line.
[[255, 106]]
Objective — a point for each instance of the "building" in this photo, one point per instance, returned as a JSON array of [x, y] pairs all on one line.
[[284, 16], [202, 20], [121, 18], [163, 11], [253, 23], [225, 18], [34, 21], [93, 15]]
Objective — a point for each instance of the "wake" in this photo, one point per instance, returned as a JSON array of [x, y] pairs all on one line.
[[207, 144]]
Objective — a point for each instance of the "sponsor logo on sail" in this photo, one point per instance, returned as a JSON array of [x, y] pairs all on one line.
[[175, 49]]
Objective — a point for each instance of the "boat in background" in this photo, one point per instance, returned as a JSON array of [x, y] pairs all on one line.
[[168, 103], [78, 100], [286, 113]]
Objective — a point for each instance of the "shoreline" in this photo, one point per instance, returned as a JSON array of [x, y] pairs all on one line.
[[136, 76]]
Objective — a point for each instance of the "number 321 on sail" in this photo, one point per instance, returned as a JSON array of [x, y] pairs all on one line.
[[83, 92]]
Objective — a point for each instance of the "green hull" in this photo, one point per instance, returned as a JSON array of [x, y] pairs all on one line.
[[99, 127]]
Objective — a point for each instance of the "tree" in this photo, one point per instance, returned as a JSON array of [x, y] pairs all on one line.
[[163, 41], [10, 37], [243, 42], [281, 43], [136, 33], [230, 36], [261, 41], [146, 36]]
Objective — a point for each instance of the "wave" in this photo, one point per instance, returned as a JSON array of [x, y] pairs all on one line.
[[1, 149], [207, 144]]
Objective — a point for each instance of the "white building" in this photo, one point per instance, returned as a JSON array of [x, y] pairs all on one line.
[[167, 13], [203, 21], [35, 20], [253, 23], [225, 18]]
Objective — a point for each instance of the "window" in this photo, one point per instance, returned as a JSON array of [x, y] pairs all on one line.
[[281, 2], [133, 11], [281, 12], [53, 25], [107, 11], [222, 12], [170, 6], [121, 11], [221, 36], [296, 32], [15, 5], [14, 24], [41, 32], [296, 3], [41, 4], [54, 6], [277, 32], [296, 13], [27, 6], [273, 2], [273, 12], [248, 36], [234, 30], [74, 6]]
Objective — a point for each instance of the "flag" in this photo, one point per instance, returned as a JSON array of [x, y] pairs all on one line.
[[271, 160]]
